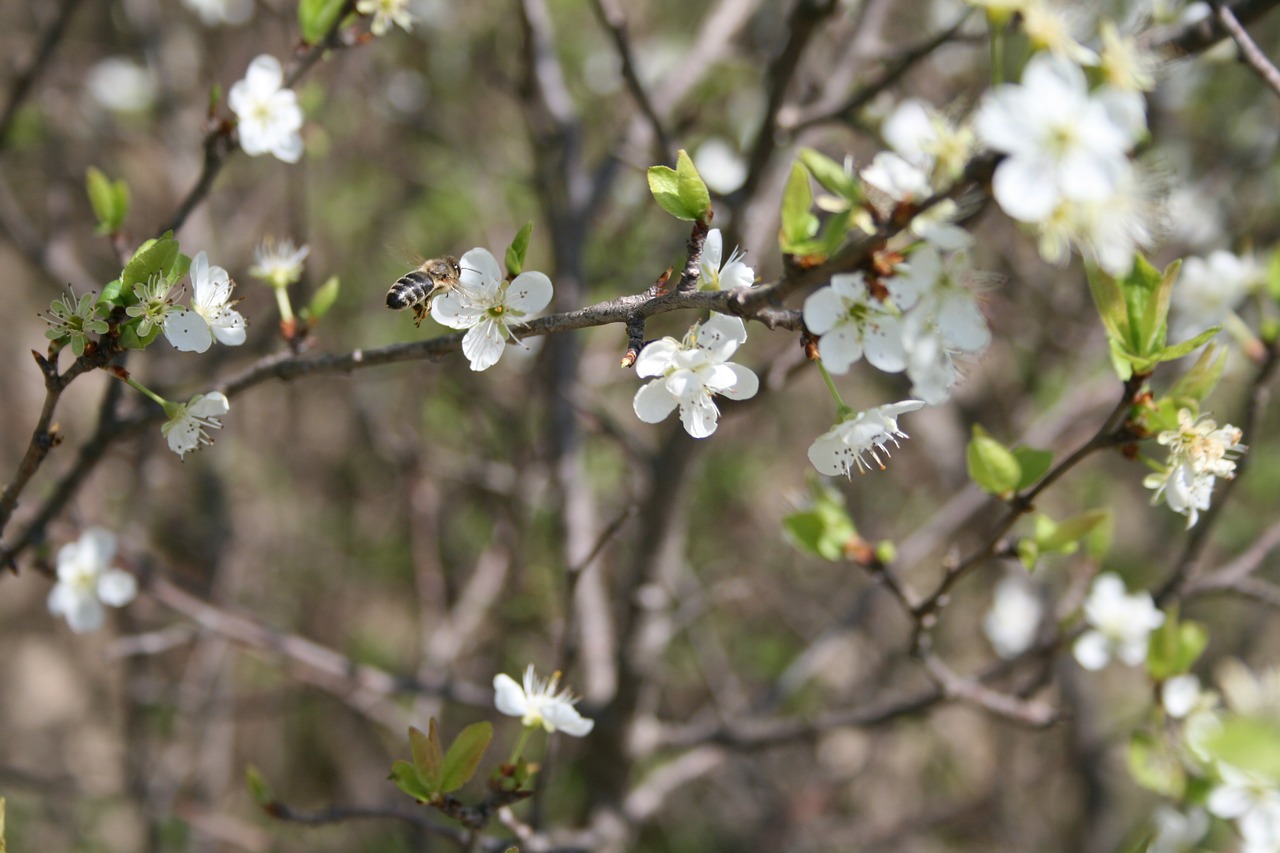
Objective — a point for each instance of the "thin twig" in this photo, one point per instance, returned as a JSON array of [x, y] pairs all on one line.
[[24, 82], [1248, 48], [616, 23]]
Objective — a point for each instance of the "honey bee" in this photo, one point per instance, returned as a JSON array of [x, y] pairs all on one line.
[[416, 289]]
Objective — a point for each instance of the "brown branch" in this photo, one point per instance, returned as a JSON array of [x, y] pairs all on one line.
[[1208, 31], [1027, 713], [615, 22], [1248, 48]]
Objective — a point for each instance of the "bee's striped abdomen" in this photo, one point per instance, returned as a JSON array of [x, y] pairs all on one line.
[[410, 289]]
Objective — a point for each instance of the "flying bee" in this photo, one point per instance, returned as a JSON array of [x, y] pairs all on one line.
[[416, 289]]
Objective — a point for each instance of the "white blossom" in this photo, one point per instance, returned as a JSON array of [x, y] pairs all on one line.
[[122, 85], [1177, 832], [1253, 802], [1126, 64], [1199, 451], [1050, 27], [850, 322], [928, 140], [211, 315], [859, 437], [722, 168], [1014, 617], [537, 703], [1180, 695], [1062, 141], [278, 264], [1119, 624], [185, 428], [268, 116], [732, 273], [897, 177], [1209, 289], [485, 304], [217, 12], [690, 372], [385, 13], [87, 580]]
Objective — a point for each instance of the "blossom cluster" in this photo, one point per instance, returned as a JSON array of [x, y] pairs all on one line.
[[1199, 451], [1066, 170]]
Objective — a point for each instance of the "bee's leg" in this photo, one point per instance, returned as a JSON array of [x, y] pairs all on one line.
[[419, 314]]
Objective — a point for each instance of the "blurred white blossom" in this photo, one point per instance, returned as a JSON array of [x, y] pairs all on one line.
[[1014, 617], [1209, 289], [278, 264], [1063, 142], [537, 703], [217, 12], [1180, 695], [1253, 802], [1119, 624], [485, 304], [268, 116], [722, 168], [1177, 832], [87, 580], [385, 13], [691, 372], [122, 85]]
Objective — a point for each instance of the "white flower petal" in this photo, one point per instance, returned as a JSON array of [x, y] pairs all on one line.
[[509, 697], [744, 384], [1092, 651], [187, 331], [529, 292], [117, 587], [699, 416], [483, 344], [653, 403]]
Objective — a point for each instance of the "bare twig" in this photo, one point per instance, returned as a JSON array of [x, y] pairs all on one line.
[[1021, 711], [26, 79], [616, 23], [1248, 47], [1205, 33]]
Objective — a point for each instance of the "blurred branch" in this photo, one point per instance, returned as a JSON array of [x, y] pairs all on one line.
[[1027, 713], [217, 142], [366, 688], [1248, 48], [1238, 571], [26, 78], [342, 814], [615, 22], [1205, 33]]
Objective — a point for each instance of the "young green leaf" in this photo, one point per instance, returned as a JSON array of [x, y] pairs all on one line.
[[1198, 382], [517, 250], [680, 191], [1154, 766], [407, 779], [798, 223], [1251, 744], [1034, 464], [464, 756], [1134, 309], [317, 17], [110, 200], [1174, 647], [258, 787], [157, 257], [832, 176], [824, 529], [322, 300], [427, 760], [1064, 537], [992, 466]]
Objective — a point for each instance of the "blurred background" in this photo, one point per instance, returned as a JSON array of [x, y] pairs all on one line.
[[361, 551]]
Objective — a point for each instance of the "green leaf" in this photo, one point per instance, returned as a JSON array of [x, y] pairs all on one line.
[[824, 529], [322, 300], [1134, 310], [1028, 553], [408, 780], [258, 787], [1033, 462], [798, 223], [130, 339], [1177, 351], [1174, 647], [1098, 543], [464, 756], [1154, 765], [158, 257], [1249, 743], [680, 191], [991, 465], [517, 250], [1064, 537], [427, 751], [110, 200], [1198, 382], [831, 175], [317, 17]]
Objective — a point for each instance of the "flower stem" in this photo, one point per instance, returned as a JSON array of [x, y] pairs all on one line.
[[997, 52], [842, 410], [286, 307], [165, 404], [524, 738]]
